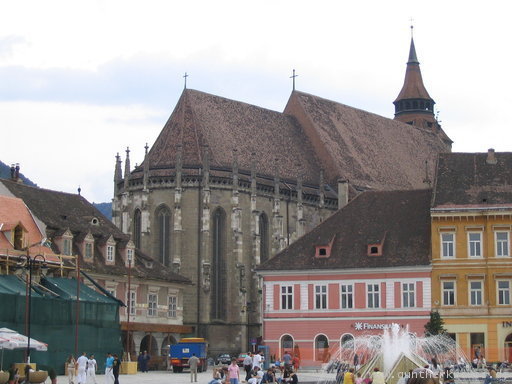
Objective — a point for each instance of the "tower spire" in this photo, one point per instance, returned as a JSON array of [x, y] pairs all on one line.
[[413, 104]]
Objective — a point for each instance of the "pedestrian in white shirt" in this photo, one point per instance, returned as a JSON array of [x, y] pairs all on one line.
[[256, 360], [81, 376], [92, 365]]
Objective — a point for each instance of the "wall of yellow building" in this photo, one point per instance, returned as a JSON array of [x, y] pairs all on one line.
[[494, 330], [463, 319]]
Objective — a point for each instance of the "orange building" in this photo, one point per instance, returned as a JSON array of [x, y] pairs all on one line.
[[471, 253]]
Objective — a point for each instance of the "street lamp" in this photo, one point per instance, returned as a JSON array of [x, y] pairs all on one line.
[[28, 262]]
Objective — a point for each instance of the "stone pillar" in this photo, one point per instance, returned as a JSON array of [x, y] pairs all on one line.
[[301, 222], [205, 238], [177, 229]]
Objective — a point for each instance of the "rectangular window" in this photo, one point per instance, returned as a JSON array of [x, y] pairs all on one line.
[[67, 247], [320, 296], [131, 299], [347, 297], [448, 245], [448, 288], [110, 253], [503, 292], [172, 306], [287, 297], [475, 292], [88, 250], [152, 303], [475, 244], [373, 296], [408, 294], [502, 244]]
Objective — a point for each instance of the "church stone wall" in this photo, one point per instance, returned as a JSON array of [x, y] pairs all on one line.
[[191, 209]]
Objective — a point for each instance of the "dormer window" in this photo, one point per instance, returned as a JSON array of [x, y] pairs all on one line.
[[110, 253], [95, 221], [88, 250], [375, 250], [88, 247], [324, 251], [18, 237], [66, 245]]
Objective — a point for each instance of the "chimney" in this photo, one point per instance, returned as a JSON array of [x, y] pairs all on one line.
[[13, 170], [342, 193], [491, 157]]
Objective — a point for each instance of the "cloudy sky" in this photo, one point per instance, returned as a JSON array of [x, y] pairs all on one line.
[[83, 80]]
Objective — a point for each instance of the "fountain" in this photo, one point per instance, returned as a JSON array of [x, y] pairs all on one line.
[[397, 351]]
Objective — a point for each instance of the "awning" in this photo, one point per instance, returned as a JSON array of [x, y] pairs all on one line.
[[14, 285], [66, 289]]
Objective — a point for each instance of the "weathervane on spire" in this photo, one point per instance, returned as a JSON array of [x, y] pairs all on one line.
[[293, 77], [412, 27], [185, 77]]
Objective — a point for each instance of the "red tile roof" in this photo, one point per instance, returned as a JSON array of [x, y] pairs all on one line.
[[13, 211]]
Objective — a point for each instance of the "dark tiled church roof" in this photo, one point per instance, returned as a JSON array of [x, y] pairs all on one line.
[[367, 149], [470, 179], [398, 220], [201, 119], [312, 134]]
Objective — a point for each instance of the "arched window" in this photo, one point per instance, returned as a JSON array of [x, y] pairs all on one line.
[[347, 341], [322, 348], [264, 244], [219, 268], [286, 344], [136, 228], [163, 222]]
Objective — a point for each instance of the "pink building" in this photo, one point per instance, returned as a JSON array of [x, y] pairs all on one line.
[[360, 271]]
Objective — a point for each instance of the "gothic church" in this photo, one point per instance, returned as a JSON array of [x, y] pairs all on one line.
[[226, 185]]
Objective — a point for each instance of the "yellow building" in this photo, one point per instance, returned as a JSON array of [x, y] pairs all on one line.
[[471, 252]]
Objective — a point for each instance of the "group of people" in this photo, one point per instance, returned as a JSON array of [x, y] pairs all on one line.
[[254, 374], [83, 369]]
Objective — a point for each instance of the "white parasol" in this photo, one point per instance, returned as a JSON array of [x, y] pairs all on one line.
[[10, 339]]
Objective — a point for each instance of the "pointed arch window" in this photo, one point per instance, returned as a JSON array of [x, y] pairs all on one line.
[[137, 228], [219, 265], [264, 243], [163, 220]]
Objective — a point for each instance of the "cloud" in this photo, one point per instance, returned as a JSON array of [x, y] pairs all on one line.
[[7, 44]]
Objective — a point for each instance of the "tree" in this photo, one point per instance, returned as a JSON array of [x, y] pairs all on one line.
[[435, 326]]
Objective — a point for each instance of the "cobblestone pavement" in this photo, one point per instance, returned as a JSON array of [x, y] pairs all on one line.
[[162, 377], [184, 378]]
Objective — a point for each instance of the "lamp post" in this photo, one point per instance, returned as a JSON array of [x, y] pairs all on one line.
[[29, 263]]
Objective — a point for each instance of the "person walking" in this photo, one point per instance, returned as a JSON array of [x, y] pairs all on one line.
[[109, 363], [233, 372], [81, 376], [145, 361], [248, 366], [92, 366], [193, 361], [287, 360], [71, 366], [116, 365], [256, 360]]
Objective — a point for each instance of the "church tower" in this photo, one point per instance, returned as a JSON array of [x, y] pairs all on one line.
[[414, 105]]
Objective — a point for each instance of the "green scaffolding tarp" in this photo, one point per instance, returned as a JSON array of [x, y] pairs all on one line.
[[53, 320]]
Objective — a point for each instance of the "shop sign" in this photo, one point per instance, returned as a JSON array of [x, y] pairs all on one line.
[[360, 326], [507, 324]]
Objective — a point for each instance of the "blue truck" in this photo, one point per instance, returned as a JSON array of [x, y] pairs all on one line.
[[182, 351]]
